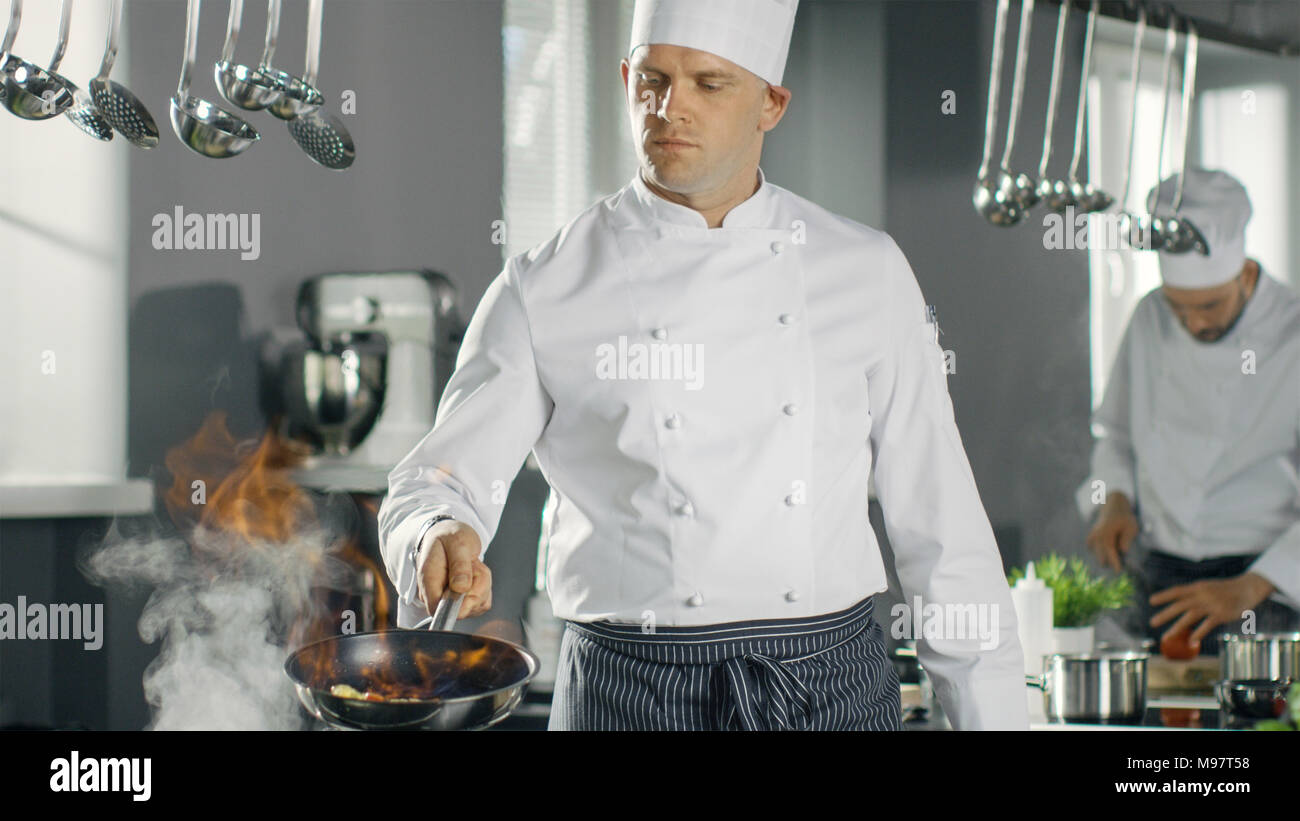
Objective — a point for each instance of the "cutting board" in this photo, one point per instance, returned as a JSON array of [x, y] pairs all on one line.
[[1191, 676]]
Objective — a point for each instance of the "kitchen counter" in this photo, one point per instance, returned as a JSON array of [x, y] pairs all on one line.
[[1164, 712]]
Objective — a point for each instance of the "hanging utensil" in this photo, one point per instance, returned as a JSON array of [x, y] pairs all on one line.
[[1089, 197], [989, 199], [322, 136], [205, 128], [1180, 235], [248, 88], [82, 113], [120, 107], [1147, 232], [1019, 185], [31, 92], [1125, 217], [300, 95], [1055, 194]]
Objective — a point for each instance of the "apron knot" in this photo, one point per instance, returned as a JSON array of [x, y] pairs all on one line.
[[766, 695]]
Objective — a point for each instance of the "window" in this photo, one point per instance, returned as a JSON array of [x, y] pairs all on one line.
[[567, 139]]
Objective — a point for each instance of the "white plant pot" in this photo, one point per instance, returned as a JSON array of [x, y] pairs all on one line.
[[1073, 639]]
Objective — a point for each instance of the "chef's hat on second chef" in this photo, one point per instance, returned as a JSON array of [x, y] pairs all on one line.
[[1217, 204], [753, 34]]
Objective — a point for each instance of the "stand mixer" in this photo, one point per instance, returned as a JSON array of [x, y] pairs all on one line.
[[364, 387]]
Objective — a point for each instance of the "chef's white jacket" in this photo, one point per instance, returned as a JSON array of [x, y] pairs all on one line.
[[1205, 437], [736, 488]]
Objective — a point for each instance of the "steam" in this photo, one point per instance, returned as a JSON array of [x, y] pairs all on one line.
[[226, 611]]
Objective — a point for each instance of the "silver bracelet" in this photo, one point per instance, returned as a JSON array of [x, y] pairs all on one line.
[[415, 549]]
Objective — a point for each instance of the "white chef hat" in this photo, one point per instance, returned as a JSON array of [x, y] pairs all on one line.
[[753, 34], [1217, 204]]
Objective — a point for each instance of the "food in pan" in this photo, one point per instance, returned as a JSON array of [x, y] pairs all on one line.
[[348, 691]]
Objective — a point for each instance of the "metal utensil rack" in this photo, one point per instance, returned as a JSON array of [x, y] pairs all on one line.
[[1159, 14]]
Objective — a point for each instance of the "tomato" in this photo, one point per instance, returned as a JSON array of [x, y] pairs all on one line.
[[1180, 717], [1178, 646]]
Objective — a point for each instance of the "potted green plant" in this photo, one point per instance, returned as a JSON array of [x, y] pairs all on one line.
[[1078, 597]]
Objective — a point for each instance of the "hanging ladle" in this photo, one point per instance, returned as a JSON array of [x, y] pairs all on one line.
[[1020, 186], [203, 127], [996, 205], [1056, 194], [120, 107], [251, 89], [31, 92], [1180, 235], [300, 95], [1147, 231], [1088, 196], [322, 136], [1127, 219]]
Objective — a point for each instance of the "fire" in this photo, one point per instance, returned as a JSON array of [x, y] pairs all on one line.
[[243, 493]]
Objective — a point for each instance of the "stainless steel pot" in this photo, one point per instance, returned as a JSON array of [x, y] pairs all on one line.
[[1104, 687], [1273, 656], [1253, 698]]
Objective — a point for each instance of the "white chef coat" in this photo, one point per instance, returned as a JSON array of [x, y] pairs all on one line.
[[745, 496], [1209, 452]]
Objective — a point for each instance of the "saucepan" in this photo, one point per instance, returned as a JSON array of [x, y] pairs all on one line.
[[432, 679], [1102, 687], [1256, 672]]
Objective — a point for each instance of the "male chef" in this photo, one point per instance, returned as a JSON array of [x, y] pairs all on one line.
[[707, 367], [1198, 435]]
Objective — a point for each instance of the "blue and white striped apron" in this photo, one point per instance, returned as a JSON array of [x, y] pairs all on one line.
[[828, 672]]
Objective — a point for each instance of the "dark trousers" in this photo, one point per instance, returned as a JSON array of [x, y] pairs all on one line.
[[1160, 571], [827, 672]]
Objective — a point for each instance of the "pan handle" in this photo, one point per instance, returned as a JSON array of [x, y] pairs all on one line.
[[445, 614]]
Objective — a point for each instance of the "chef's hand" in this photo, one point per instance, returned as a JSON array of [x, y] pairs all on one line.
[[1113, 534], [454, 546], [1212, 602]]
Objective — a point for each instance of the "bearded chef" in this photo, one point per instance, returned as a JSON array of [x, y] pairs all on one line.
[[707, 367], [1198, 435]]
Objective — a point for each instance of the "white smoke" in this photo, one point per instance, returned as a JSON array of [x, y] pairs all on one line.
[[224, 611]]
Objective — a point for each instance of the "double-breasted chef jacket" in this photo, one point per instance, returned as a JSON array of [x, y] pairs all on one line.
[[738, 489], [1205, 437]]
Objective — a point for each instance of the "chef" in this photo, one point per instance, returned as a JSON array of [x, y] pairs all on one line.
[[707, 368], [1198, 435]]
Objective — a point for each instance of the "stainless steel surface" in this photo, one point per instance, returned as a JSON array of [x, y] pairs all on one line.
[[248, 88], [1126, 217], [31, 92], [300, 95], [205, 128], [1102, 687], [991, 201], [1020, 186], [1088, 196], [1056, 194], [1180, 235], [1259, 656], [82, 113], [336, 394], [321, 136], [122, 109]]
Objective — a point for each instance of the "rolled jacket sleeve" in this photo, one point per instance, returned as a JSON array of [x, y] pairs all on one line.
[[492, 412], [942, 541], [1113, 461]]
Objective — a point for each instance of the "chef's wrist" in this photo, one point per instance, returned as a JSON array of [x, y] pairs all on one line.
[[419, 540]]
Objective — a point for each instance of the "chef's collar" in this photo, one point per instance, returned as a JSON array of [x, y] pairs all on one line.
[[1256, 306], [754, 212]]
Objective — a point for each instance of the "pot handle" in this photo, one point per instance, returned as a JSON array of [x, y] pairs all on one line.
[[445, 614], [1037, 681]]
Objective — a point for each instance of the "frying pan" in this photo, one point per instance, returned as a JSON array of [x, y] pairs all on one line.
[[454, 681]]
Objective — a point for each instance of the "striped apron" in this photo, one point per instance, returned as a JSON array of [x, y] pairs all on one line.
[[828, 672]]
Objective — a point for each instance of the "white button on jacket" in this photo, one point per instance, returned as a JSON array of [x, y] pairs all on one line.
[[1206, 436], [559, 359]]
